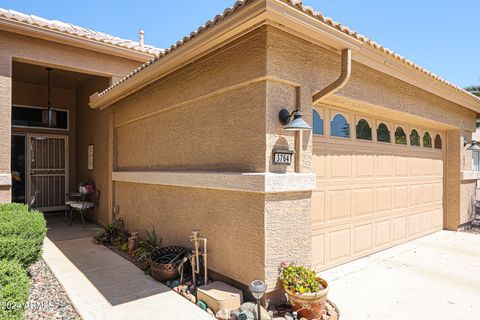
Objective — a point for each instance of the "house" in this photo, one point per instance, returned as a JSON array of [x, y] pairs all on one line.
[[191, 139]]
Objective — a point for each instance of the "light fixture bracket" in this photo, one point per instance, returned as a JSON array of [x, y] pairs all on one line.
[[284, 116]]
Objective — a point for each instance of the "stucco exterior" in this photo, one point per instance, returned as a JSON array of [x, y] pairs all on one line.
[[192, 121], [186, 141]]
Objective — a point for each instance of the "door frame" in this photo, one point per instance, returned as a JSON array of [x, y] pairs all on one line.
[[23, 134], [29, 135]]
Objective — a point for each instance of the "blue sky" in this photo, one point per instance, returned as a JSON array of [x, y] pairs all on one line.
[[441, 36]]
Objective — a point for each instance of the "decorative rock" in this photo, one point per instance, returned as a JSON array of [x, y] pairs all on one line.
[[329, 309], [202, 305], [252, 308], [191, 297], [223, 314]]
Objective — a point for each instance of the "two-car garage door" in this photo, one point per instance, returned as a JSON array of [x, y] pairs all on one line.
[[379, 183]]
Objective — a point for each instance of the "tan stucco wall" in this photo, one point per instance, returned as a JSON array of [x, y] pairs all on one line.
[[232, 222], [92, 128], [467, 202], [42, 52], [208, 116]]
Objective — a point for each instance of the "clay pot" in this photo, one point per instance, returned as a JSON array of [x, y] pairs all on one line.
[[166, 271], [132, 242], [309, 305]]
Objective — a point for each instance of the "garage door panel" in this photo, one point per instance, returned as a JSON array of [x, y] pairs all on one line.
[[340, 164], [364, 164], [401, 166], [437, 219], [362, 238], [414, 166], [383, 199], [339, 244], [318, 249], [384, 165], [438, 192], [427, 193], [401, 197], [415, 195], [318, 207], [427, 167], [438, 166], [340, 201], [399, 228], [371, 196], [413, 224], [383, 232], [363, 203], [318, 162], [426, 221]]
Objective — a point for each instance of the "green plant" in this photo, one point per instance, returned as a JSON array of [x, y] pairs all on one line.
[[13, 290], [21, 233], [124, 246], [152, 242], [299, 279], [112, 234], [141, 254]]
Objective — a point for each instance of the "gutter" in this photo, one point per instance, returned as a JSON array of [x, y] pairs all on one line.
[[346, 72]]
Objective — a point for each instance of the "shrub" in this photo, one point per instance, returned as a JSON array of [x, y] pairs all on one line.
[[21, 233], [13, 290]]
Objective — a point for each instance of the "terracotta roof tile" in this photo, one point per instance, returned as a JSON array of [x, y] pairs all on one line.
[[74, 30], [307, 10]]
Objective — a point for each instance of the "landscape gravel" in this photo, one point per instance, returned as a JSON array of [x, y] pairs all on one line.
[[47, 298]]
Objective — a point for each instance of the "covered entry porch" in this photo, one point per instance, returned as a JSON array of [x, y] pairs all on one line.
[[50, 157]]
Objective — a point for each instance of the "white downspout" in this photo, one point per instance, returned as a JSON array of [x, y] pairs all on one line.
[[341, 81]]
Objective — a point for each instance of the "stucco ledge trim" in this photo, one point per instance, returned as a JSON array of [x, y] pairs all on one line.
[[470, 175], [233, 181], [5, 179]]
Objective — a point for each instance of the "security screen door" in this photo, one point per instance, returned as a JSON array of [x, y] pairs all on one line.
[[48, 171]]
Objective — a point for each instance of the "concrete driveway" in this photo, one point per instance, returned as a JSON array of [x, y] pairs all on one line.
[[434, 277]]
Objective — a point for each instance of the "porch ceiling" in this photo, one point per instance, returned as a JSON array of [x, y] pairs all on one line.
[[36, 74]]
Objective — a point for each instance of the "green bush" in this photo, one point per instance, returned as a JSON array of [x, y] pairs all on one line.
[[13, 290], [21, 233]]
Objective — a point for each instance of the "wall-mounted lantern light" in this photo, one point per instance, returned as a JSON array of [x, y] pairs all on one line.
[[297, 124], [474, 146], [258, 288]]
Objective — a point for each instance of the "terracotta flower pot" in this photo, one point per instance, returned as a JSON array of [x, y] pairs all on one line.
[[309, 305]]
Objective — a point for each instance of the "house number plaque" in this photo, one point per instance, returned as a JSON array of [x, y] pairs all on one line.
[[282, 156]]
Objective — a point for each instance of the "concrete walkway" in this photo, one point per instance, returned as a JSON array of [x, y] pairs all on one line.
[[435, 277], [103, 285]]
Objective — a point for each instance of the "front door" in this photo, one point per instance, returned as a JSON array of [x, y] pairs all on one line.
[[47, 171]]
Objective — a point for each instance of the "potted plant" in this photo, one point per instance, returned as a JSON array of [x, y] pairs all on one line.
[[306, 291]]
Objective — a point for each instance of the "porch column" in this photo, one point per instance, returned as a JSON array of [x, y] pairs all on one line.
[[5, 126], [452, 180]]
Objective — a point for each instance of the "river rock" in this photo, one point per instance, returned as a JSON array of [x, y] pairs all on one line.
[[252, 308], [223, 314]]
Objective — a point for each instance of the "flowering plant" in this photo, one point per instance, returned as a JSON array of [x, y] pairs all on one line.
[[299, 279], [87, 187]]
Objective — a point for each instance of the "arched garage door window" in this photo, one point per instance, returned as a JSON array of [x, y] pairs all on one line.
[[339, 127]]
